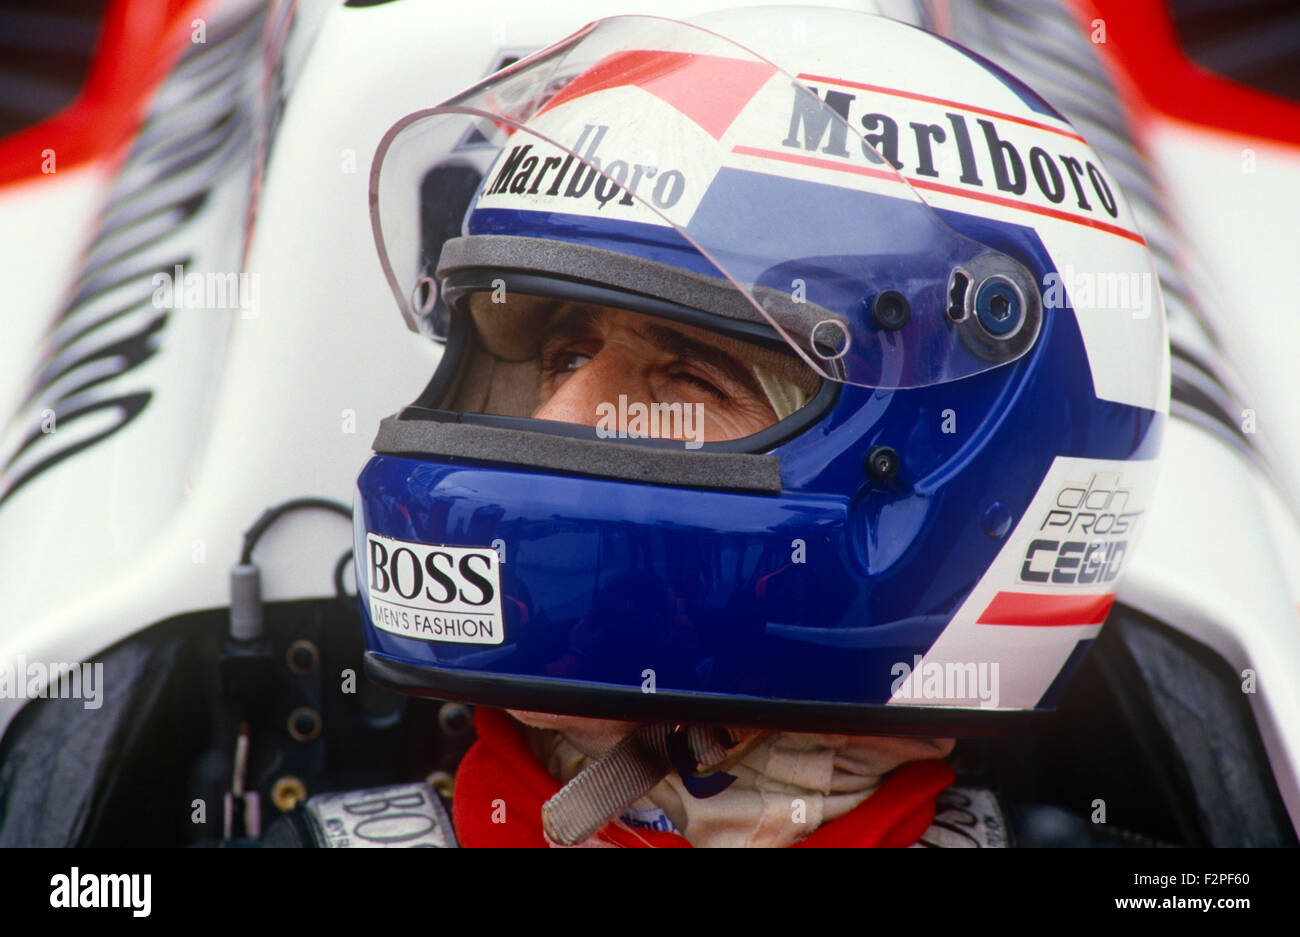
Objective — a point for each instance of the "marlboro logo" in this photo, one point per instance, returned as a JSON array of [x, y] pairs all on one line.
[[524, 170], [950, 147]]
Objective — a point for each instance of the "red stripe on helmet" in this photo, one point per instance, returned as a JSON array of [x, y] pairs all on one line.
[[1038, 610], [679, 79], [1018, 204]]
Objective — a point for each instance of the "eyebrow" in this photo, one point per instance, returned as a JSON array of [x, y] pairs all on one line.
[[675, 343], [574, 319], [571, 322]]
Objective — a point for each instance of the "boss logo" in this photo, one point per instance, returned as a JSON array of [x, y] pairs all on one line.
[[434, 592], [401, 815]]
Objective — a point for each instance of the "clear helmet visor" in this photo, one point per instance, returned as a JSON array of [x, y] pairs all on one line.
[[691, 166]]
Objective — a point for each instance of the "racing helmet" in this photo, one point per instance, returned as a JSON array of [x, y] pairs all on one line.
[[919, 265]]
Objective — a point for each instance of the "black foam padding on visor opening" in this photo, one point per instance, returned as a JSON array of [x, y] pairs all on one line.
[[726, 471], [625, 272]]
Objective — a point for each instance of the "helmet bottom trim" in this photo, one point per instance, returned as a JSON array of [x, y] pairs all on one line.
[[602, 701]]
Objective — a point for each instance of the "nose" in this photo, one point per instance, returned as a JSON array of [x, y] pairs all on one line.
[[600, 380]]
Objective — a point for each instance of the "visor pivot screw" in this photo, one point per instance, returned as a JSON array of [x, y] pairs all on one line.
[[882, 463], [891, 311], [999, 307]]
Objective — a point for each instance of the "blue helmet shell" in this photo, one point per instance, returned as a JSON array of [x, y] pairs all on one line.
[[791, 604]]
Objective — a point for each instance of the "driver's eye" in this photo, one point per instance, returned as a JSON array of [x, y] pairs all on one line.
[[571, 361], [563, 361], [700, 383]]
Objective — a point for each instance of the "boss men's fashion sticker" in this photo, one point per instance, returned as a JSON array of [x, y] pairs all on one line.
[[435, 593]]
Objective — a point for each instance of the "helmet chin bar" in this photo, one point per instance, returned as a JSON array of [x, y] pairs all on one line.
[[604, 701]]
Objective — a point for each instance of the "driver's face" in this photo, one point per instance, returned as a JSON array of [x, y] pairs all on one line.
[[590, 355]]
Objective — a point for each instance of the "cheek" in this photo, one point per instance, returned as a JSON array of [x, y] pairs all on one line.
[[736, 421]]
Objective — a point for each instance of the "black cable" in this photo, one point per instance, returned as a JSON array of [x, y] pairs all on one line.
[[271, 515], [340, 568]]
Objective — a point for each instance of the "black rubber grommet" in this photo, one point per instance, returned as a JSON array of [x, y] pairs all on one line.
[[882, 463], [891, 311]]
